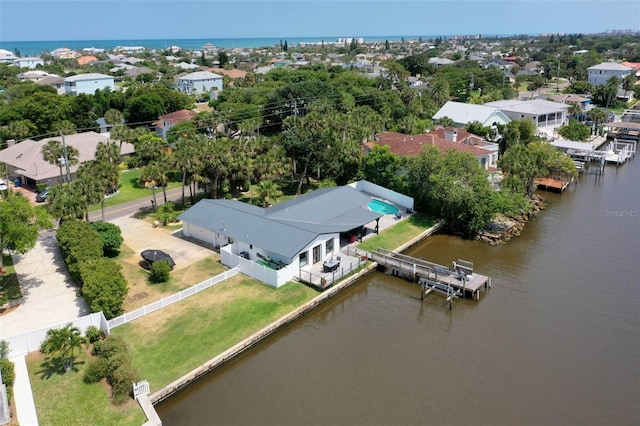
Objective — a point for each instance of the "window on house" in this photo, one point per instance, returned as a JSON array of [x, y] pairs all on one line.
[[303, 259], [329, 246]]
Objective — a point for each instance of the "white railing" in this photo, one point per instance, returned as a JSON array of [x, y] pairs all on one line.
[[170, 300]]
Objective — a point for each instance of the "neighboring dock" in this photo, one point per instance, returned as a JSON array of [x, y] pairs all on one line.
[[458, 281]]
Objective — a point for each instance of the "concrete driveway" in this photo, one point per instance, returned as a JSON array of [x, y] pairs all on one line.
[[140, 235], [49, 294]]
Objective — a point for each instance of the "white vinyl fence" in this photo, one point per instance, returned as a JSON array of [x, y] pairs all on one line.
[[170, 300], [30, 341]]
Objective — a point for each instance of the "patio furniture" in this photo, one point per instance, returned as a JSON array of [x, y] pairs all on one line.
[[331, 264]]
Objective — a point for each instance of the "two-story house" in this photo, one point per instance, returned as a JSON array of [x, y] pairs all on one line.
[[599, 74], [28, 62], [88, 83], [199, 82]]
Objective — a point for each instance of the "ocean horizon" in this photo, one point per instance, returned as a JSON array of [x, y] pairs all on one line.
[[36, 48]]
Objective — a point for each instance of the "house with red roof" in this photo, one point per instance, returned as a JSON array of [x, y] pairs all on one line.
[[167, 121], [444, 139]]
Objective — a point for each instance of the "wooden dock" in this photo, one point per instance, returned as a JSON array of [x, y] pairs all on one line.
[[551, 184], [457, 281]]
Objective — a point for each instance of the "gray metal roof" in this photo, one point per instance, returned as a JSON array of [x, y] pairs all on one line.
[[285, 229]]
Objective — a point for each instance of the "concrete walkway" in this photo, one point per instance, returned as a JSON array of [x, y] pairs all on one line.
[[25, 407], [49, 294]]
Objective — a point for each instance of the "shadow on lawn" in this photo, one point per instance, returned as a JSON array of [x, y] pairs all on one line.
[[53, 366]]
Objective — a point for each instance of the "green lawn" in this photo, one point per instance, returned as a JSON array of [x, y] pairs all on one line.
[[9, 285], [131, 190], [64, 399], [168, 344], [398, 234]]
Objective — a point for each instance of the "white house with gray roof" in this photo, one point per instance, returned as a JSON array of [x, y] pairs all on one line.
[[199, 82], [542, 113], [463, 114], [88, 83], [599, 74], [273, 244]]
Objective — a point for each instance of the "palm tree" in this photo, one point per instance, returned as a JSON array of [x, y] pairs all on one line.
[[184, 159], [612, 86], [108, 152], [113, 117], [52, 153], [65, 127], [62, 343], [628, 82], [599, 116], [107, 176], [268, 192], [575, 110], [151, 177], [88, 190], [439, 91], [64, 204]]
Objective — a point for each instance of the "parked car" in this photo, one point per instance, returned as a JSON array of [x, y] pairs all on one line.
[[3, 185], [42, 196]]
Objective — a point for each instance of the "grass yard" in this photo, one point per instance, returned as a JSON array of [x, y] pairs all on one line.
[[169, 343], [64, 399], [131, 190], [9, 285], [399, 233], [142, 292]]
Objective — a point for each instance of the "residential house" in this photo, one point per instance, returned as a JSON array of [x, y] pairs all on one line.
[[167, 121], [444, 139], [601, 73], [64, 53], [84, 60], [28, 62], [438, 62], [135, 72], [35, 75], [53, 81], [25, 162], [570, 98], [7, 56], [463, 114], [186, 66], [88, 83], [499, 63], [275, 244], [200, 82], [542, 113], [232, 74]]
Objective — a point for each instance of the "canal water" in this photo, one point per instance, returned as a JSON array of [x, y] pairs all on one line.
[[556, 340]]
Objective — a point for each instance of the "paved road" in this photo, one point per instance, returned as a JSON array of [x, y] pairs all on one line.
[[133, 207]]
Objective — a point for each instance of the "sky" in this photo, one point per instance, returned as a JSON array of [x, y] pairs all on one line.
[[31, 20]]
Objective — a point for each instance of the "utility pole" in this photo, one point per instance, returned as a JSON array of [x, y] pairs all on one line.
[[65, 158], [558, 76]]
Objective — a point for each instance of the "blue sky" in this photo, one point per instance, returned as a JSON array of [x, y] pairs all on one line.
[[28, 20]]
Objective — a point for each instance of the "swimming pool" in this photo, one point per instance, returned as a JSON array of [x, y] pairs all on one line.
[[381, 207]]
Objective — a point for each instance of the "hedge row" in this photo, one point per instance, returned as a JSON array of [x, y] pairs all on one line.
[[103, 285]]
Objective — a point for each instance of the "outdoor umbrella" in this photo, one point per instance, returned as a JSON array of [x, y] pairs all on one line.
[[155, 255]]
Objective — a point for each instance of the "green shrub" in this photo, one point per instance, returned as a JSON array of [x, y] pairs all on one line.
[[93, 333], [119, 370], [96, 370], [111, 236], [8, 372], [41, 187], [79, 243], [106, 348], [167, 213], [160, 271], [132, 162], [104, 287], [4, 349]]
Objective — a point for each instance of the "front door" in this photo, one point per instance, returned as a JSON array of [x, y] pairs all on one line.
[[316, 254]]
